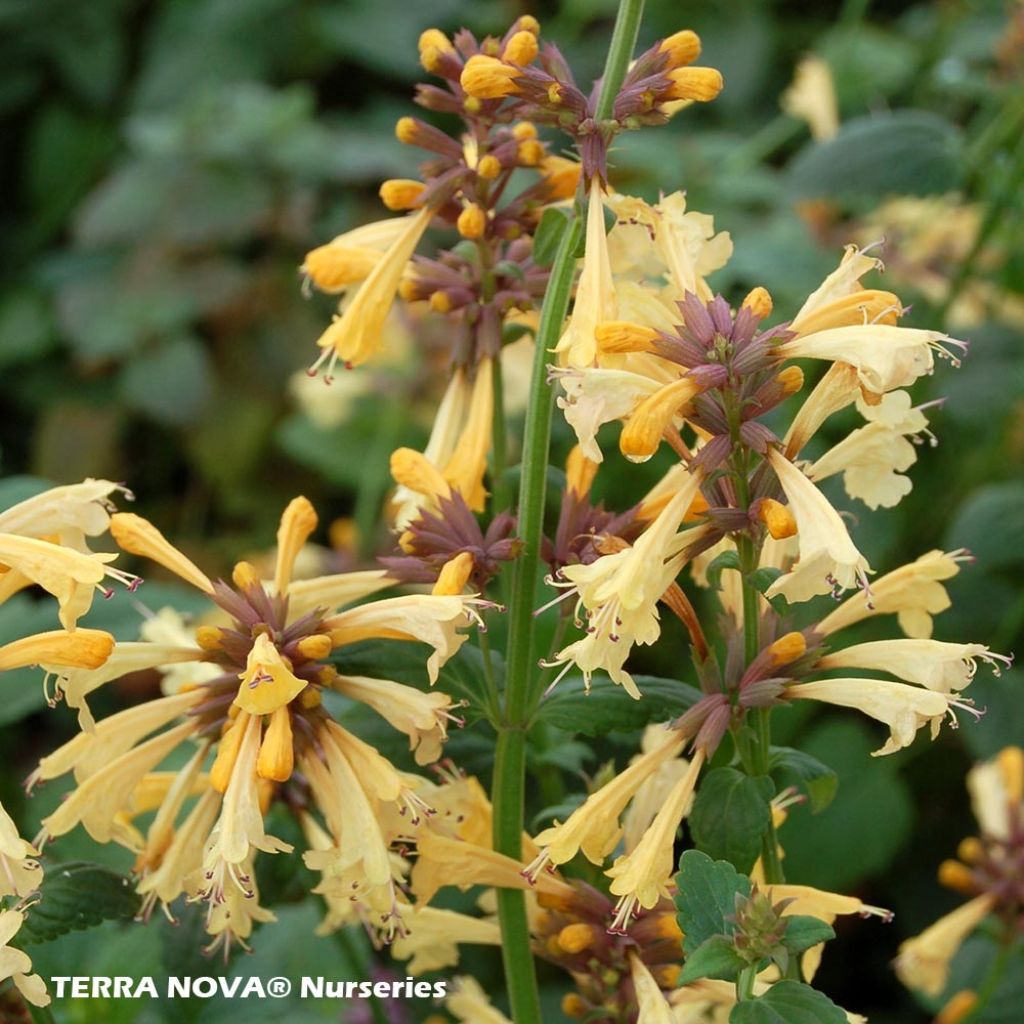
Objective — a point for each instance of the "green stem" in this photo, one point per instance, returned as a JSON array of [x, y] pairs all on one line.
[[361, 966], [521, 689], [620, 53], [41, 1014]]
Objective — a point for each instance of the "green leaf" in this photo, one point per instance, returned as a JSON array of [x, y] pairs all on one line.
[[788, 1002], [721, 562], [731, 814], [548, 235], [608, 707], [75, 896], [169, 382], [908, 152], [706, 897], [990, 526], [804, 931], [819, 781], [714, 958]]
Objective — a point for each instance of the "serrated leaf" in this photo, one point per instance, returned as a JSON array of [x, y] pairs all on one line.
[[804, 931], [820, 781], [76, 896], [721, 562], [548, 235], [788, 1002], [608, 707], [731, 815], [714, 958], [909, 152], [706, 897]]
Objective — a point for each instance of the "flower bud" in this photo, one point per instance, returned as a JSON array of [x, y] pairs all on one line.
[[759, 302], [701, 84], [681, 47], [787, 649], [244, 575], [579, 472], [401, 193], [315, 646], [434, 46], [227, 752], [405, 130], [332, 268], [487, 78], [959, 877], [472, 222], [523, 130], [210, 638], [489, 167], [441, 302], [528, 23], [971, 850], [777, 517], [791, 380], [530, 152], [561, 176], [622, 336], [521, 49], [576, 937], [277, 754], [454, 575], [958, 1008], [574, 1006]]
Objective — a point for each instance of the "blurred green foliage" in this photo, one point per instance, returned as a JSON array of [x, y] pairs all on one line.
[[168, 163]]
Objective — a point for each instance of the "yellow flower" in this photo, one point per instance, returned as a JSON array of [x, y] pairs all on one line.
[[354, 336], [433, 935], [621, 591], [20, 873], [593, 827], [15, 964], [812, 98], [913, 592], [904, 709], [595, 291], [71, 576], [829, 561], [640, 878], [923, 961], [58, 650], [350, 257], [652, 1006], [470, 1005], [997, 792], [455, 457], [70, 513], [871, 458], [930, 663]]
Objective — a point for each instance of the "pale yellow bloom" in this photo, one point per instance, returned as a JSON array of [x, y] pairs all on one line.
[[931, 663], [812, 98], [913, 592], [267, 683], [997, 791], [430, 619], [653, 791], [354, 337], [595, 291], [923, 961], [82, 649], [904, 709], [470, 1005], [653, 1007], [70, 513], [15, 964], [349, 257], [333, 592], [829, 561], [71, 576], [640, 878], [432, 937], [873, 457], [423, 717], [593, 827], [20, 872]]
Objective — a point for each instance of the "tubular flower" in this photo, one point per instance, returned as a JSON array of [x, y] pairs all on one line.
[[71, 576], [15, 964], [904, 709], [620, 591], [829, 562], [469, 1004], [259, 733], [20, 872], [595, 292], [653, 1007], [354, 336], [349, 258], [432, 937], [873, 457], [936, 665], [593, 828], [913, 592], [455, 459], [640, 877]]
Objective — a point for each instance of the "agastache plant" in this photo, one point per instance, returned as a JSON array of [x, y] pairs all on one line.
[[631, 890]]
